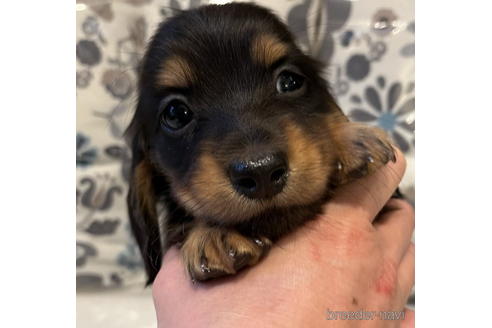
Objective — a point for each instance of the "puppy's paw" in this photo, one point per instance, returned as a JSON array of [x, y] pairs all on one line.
[[362, 150], [211, 252]]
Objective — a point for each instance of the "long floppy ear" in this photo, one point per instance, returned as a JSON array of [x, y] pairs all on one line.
[[142, 210]]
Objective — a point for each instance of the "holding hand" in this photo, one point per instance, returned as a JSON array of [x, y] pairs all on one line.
[[357, 256]]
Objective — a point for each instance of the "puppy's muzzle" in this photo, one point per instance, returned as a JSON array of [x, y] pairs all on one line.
[[260, 178]]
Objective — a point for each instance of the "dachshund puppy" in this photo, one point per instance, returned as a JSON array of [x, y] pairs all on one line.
[[236, 140]]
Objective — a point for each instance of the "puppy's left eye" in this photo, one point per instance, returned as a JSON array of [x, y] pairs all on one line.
[[289, 81], [176, 115]]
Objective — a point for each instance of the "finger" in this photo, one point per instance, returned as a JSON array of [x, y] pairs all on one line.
[[406, 271], [409, 321], [365, 197], [395, 225]]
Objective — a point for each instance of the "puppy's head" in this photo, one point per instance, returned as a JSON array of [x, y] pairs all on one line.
[[233, 114]]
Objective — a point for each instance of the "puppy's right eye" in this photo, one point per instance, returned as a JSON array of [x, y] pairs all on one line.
[[289, 81], [176, 115]]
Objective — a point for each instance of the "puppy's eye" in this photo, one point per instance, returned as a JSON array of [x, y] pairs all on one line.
[[176, 115], [289, 81]]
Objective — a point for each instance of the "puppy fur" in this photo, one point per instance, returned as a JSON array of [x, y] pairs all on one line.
[[223, 68]]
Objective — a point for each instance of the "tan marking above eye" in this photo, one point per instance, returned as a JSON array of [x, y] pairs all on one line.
[[175, 72], [266, 49]]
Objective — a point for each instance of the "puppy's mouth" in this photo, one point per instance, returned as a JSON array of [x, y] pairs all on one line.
[[240, 201], [247, 188]]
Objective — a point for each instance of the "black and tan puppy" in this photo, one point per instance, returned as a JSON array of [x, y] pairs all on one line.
[[237, 138]]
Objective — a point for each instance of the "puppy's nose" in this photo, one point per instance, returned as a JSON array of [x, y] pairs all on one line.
[[260, 178]]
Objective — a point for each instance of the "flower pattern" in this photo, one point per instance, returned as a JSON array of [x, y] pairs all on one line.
[[390, 108]]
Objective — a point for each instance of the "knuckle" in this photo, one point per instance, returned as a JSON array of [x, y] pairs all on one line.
[[354, 240], [401, 161]]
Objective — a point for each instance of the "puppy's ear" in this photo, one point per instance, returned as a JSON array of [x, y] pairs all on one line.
[[141, 203]]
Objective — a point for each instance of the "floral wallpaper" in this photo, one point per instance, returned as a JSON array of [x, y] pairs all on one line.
[[369, 45]]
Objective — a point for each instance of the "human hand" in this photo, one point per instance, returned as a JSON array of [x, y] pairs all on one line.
[[349, 259]]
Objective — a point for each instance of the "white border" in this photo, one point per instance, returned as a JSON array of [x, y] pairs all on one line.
[[37, 166], [454, 168]]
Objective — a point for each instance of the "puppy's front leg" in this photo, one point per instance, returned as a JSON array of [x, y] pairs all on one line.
[[361, 149], [211, 252]]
